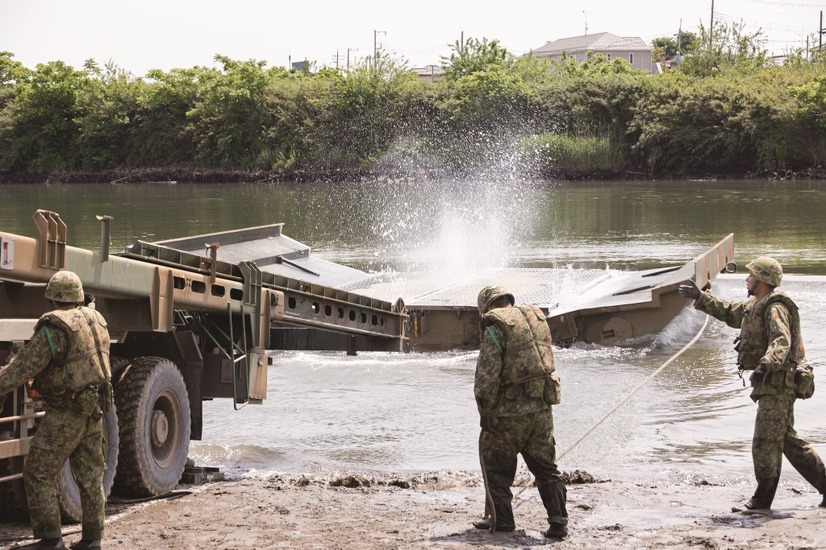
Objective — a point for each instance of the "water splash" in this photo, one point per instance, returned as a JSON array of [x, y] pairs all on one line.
[[449, 225]]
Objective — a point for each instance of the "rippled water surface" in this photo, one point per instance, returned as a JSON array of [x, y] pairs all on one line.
[[390, 412], [405, 412]]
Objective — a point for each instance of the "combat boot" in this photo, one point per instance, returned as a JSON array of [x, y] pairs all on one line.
[[45, 544], [84, 544], [764, 494], [556, 531], [486, 524]]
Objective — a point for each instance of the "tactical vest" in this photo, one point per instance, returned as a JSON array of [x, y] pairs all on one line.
[[527, 352], [87, 357], [754, 340]]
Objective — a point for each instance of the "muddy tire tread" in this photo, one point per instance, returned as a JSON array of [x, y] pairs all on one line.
[[134, 477]]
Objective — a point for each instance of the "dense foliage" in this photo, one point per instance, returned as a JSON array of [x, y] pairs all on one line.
[[726, 109]]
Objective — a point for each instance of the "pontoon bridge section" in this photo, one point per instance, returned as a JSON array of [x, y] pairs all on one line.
[[595, 306]]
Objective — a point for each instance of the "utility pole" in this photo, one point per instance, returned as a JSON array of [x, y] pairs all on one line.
[[586, 22], [376, 47], [348, 56], [711, 25], [820, 43], [680, 37]]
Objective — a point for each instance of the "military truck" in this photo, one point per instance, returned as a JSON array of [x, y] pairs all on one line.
[[185, 327]]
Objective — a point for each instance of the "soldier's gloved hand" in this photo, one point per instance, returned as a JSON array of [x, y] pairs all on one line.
[[689, 290], [757, 376], [488, 423]]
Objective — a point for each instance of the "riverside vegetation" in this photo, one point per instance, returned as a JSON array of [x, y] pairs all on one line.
[[726, 110]]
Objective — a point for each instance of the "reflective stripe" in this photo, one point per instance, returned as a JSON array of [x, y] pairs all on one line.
[[489, 329]]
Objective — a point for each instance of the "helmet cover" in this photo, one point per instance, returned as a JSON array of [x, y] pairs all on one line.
[[767, 270], [490, 294], [65, 286]]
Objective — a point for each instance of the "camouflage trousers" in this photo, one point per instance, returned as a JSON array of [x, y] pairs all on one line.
[[532, 436], [775, 436], [63, 435]]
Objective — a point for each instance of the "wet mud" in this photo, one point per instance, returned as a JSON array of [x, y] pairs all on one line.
[[348, 510]]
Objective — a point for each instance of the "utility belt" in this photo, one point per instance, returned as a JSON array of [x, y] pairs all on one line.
[[67, 397], [545, 387], [804, 378], [90, 400]]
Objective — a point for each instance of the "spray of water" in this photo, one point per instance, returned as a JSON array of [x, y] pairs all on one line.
[[451, 226]]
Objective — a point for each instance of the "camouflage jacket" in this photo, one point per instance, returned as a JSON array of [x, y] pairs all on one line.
[[514, 357], [769, 332]]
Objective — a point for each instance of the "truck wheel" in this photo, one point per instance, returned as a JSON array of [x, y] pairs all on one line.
[[69, 492], [153, 414]]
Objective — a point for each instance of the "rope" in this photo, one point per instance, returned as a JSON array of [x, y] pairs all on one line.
[[635, 390], [626, 398]]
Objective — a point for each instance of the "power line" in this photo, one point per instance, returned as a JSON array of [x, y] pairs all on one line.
[[756, 23], [778, 3]]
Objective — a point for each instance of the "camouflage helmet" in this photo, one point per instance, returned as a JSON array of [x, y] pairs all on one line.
[[65, 286], [766, 269], [490, 294]]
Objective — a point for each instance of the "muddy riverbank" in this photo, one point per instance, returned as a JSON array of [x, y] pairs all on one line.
[[347, 511]]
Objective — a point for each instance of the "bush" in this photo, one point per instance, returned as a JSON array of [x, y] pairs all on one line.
[[558, 118], [574, 156]]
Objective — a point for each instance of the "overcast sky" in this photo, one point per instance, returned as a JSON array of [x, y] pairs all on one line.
[[165, 34]]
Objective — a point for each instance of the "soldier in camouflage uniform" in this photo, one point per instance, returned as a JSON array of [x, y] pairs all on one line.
[[515, 386], [771, 346], [68, 358]]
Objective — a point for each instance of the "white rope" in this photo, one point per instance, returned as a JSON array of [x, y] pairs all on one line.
[[635, 390]]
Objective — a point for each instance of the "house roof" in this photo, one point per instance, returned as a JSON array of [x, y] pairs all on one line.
[[603, 41], [428, 70]]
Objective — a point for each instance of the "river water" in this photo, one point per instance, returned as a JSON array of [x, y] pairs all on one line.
[[412, 412]]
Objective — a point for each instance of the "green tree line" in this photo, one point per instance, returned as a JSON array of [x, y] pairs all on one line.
[[725, 109]]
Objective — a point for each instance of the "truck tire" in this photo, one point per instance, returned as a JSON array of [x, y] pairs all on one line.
[[153, 414], [69, 493]]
